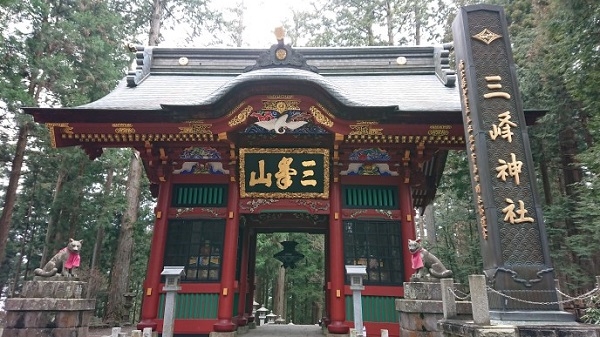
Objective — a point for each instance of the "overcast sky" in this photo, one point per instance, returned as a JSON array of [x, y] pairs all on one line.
[[260, 18]]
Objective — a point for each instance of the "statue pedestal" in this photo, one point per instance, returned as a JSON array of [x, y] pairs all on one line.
[[49, 307], [421, 309]]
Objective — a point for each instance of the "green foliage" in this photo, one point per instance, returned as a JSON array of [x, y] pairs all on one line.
[[304, 284], [592, 312], [557, 73], [67, 53], [198, 21], [457, 242], [339, 23]]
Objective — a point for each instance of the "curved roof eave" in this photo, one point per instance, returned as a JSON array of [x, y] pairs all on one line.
[[280, 81], [276, 75], [174, 97]]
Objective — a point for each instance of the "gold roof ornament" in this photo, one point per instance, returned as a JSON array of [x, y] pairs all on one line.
[[279, 34]]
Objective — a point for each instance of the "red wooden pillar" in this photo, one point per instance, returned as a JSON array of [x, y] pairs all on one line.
[[225, 312], [408, 225], [242, 319], [337, 301], [155, 261]]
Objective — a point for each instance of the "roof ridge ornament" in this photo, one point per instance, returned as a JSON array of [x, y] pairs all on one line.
[[143, 59], [281, 55], [441, 58]]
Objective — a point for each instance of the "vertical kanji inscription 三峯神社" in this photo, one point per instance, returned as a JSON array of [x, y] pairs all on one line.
[[514, 246]]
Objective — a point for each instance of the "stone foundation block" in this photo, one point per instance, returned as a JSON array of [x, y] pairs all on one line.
[[413, 333], [419, 322], [579, 330], [51, 304], [54, 289], [47, 319], [456, 328], [49, 307], [428, 290], [222, 334], [329, 334], [243, 329], [430, 306]]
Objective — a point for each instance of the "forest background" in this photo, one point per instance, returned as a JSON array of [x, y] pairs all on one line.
[[70, 52]]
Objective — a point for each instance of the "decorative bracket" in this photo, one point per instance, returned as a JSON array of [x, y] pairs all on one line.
[[143, 59], [281, 55], [441, 58], [525, 282]]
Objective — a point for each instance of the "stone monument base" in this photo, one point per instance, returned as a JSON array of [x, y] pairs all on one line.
[[421, 309], [329, 334], [223, 334], [550, 317], [457, 328], [49, 307]]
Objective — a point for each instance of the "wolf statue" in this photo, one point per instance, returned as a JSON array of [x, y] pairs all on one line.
[[66, 260], [425, 263]]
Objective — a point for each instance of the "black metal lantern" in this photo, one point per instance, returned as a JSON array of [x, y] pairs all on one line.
[[289, 256]]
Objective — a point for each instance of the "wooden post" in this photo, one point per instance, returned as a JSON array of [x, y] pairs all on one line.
[[225, 311], [337, 299], [155, 262]]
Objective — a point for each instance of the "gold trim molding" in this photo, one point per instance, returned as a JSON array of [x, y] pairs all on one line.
[[135, 137], [66, 130], [241, 117], [395, 139], [197, 128], [281, 105], [364, 128], [320, 116]]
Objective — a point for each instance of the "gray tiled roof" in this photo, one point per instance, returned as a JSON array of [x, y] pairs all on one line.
[[355, 77], [407, 92]]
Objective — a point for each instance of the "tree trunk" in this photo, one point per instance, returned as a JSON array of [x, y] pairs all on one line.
[[156, 22], [11, 190], [53, 217], [100, 229], [119, 276], [279, 294], [544, 173], [417, 23], [74, 209], [571, 176], [27, 237], [430, 223], [390, 22]]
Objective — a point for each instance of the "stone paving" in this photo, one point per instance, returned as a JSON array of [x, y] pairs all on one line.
[[268, 330], [276, 330]]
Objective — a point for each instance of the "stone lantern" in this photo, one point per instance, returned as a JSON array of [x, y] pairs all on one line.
[[357, 274], [128, 305], [271, 318], [262, 315], [172, 277]]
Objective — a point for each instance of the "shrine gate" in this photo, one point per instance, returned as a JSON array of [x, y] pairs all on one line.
[[344, 142]]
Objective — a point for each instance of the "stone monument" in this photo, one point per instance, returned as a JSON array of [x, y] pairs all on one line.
[[50, 306], [421, 309]]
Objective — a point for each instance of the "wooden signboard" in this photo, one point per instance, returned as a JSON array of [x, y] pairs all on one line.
[[284, 173]]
